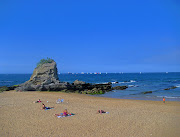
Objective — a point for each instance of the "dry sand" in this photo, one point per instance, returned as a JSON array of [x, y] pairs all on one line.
[[19, 116]]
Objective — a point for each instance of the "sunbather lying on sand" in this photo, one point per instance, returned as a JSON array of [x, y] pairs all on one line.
[[101, 111], [65, 113], [44, 107], [38, 101]]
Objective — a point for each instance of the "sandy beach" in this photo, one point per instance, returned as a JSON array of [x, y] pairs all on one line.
[[19, 116]]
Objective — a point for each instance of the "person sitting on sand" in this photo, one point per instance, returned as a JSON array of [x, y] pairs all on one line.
[[44, 107], [65, 112], [101, 111]]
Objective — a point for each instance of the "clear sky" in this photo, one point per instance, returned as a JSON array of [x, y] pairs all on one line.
[[90, 35]]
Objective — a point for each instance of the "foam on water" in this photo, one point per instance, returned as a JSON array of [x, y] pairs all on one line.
[[167, 97], [131, 81], [177, 86], [6, 81]]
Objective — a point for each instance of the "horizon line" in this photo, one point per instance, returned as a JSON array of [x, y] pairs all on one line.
[[100, 72]]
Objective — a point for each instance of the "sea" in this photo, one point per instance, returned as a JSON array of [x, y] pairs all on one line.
[[137, 83]]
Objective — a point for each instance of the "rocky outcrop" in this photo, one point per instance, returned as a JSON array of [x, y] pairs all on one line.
[[120, 87], [45, 74], [45, 78], [173, 87], [77, 82], [146, 92], [5, 88]]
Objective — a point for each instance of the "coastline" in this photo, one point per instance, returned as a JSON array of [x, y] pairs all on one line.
[[21, 117], [137, 84], [139, 97]]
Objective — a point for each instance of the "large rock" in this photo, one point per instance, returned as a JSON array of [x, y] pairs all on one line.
[[44, 78], [45, 74]]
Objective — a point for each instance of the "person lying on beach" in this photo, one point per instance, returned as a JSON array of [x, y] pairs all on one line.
[[101, 111], [38, 101], [44, 107], [65, 113]]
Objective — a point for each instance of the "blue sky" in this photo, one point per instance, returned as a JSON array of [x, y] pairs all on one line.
[[90, 36]]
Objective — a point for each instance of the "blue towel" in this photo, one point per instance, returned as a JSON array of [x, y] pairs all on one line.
[[48, 108]]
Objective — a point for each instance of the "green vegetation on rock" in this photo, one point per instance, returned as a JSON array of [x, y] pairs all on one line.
[[43, 61], [92, 92], [4, 88]]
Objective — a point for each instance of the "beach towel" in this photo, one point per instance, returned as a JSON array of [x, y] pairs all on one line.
[[104, 113], [69, 115], [48, 108]]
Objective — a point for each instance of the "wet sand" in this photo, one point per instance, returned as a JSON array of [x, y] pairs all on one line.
[[19, 116]]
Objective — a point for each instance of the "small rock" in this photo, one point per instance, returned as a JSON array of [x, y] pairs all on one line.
[[147, 92]]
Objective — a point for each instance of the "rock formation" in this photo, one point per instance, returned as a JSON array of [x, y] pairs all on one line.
[[45, 74], [173, 87], [146, 92], [45, 78], [77, 82], [120, 87]]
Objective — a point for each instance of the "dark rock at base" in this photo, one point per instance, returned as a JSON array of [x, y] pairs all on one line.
[[4, 88], [13, 87], [87, 88], [173, 87], [55, 86], [147, 92], [106, 87], [120, 87]]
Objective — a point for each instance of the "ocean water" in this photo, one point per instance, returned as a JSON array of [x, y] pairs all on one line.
[[136, 82]]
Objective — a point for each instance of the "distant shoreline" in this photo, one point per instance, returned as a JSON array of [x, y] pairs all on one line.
[[87, 72], [175, 99]]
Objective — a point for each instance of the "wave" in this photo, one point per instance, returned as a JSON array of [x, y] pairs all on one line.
[[101, 83], [114, 82], [133, 86], [6, 81], [167, 97], [131, 81], [177, 86]]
